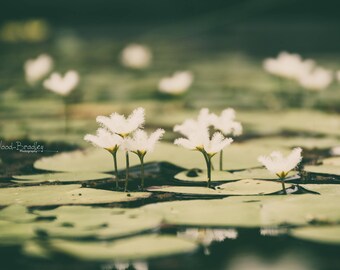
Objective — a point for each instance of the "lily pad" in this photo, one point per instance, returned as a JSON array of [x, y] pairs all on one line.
[[212, 213], [324, 189], [335, 161], [201, 176], [61, 177], [99, 222], [259, 174], [135, 248], [304, 142], [236, 157], [323, 169], [15, 233], [64, 194], [319, 234], [241, 187], [17, 213], [301, 210]]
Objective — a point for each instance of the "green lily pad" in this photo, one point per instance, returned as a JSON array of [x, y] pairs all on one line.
[[301, 210], [212, 213], [241, 187], [323, 169], [201, 176], [99, 222], [64, 194], [319, 234], [261, 173], [140, 247], [304, 142], [15, 233], [16, 213], [324, 189], [236, 157], [61, 177], [334, 161]]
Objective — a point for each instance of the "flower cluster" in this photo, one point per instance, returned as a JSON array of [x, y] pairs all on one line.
[[197, 134], [37, 69], [125, 133], [62, 85], [305, 72]]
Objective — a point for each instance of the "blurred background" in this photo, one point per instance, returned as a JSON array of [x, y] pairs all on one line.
[[221, 43]]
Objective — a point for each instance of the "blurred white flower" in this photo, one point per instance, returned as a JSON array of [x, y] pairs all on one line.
[[121, 265], [105, 139], [226, 123], [62, 85], [208, 236], [335, 151], [200, 141], [141, 143], [119, 124], [136, 56], [37, 69], [317, 79], [140, 265], [279, 165], [194, 126], [287, 65], [177, 84]]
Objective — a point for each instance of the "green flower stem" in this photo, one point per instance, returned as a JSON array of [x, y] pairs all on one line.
[[114, 155], [282, 179], [221, 160], [141, 158], [127, 171], [208, 162]]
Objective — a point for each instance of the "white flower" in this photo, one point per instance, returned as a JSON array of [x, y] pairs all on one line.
[[62, 85], [317, 79], [200, 141], [105, 139], [141, 143], [287, 65], [208, 236], [136, 56], [194, 126], [176, 84], [226, 123], [121, 265], [279, 165], [122, 126], [37, 69], [140, 265]]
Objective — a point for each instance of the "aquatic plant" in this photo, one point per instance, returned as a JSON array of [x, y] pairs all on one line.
[[279, 165]]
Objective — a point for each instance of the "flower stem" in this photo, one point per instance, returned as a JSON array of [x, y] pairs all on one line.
[[127, 171], [221, 160], [142, 171], [283, 185], [116, 168], [66, 114], [208, 162]]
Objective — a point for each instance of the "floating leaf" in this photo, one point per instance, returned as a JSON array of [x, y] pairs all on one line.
[[324, 189], [323, 169], [214, 213], [304, 142], [15, 233], [100, 222], [61, 177], [301, 210], [140, 247], [194, 176], [64, 194], [334, 161], [259, 174], [319, 234], [16, 213], [241, 187]]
